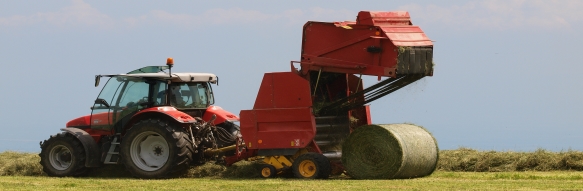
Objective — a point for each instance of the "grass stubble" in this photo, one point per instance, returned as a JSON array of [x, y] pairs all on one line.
[[439, 180], [461, 169]]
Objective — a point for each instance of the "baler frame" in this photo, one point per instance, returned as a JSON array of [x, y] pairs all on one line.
[[292, 107]]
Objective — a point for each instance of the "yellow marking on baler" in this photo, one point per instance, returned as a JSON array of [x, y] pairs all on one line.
[[279, 162]]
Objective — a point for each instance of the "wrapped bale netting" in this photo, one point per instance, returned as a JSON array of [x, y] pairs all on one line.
[[390, 151]]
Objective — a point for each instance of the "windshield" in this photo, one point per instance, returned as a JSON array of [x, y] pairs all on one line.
[[190, 95]]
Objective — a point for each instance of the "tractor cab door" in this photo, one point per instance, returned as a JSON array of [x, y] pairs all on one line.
[[102, 110], [125, 97]]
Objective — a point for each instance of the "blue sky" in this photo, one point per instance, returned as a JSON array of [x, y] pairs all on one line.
[[507, 77]]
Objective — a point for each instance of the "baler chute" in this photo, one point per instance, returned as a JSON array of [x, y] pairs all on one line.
[[307, 113]]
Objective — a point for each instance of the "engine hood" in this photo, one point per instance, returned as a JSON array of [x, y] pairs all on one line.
[[80, 122]]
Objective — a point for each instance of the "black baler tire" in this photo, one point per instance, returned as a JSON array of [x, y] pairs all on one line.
[[179, 145], [323, 167], [272, 171], [77, 167]]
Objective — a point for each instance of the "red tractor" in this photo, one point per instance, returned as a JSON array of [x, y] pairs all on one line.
[[157, 124]]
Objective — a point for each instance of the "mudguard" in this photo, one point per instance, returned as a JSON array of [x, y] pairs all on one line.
[[222, 115], [92, 154], [172, 112]]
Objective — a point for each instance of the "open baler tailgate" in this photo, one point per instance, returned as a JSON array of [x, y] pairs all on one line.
[[377, 44]]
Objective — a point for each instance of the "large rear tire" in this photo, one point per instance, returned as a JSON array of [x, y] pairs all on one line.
[[156, 149], [312, 166], [63, 155]]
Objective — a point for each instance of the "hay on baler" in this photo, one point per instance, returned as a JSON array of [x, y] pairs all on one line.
[[389, 152]]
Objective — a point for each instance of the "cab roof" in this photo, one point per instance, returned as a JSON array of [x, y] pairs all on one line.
[[157, 72]]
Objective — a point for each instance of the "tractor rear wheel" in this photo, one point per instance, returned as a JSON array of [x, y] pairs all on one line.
[[312, 166], [63, 155], [156, 149]]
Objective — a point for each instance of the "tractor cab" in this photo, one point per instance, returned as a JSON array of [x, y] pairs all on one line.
[[125, 95]]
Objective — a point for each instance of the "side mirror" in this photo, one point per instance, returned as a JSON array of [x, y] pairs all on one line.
[[97, 78], [102, 102]]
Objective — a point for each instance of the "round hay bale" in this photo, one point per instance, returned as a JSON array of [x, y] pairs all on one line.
[[389, 152]]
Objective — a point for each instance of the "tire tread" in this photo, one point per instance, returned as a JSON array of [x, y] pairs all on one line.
[[182, 147], [77, 150]]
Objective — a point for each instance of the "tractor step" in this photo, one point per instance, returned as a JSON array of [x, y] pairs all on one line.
[[113, 153]]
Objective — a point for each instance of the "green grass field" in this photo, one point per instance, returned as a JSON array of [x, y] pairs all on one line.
[[461, 169], [440, 180]]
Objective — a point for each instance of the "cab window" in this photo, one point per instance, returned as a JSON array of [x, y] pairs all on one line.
[[189, 95]]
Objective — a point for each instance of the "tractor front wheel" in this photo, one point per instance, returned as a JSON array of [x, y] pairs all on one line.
[[155, 149], [312, 166], [63, 155]]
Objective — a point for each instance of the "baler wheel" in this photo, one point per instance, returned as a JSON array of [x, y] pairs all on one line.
[[312, 166], [268, 171], [63, 155], [155, 149]]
